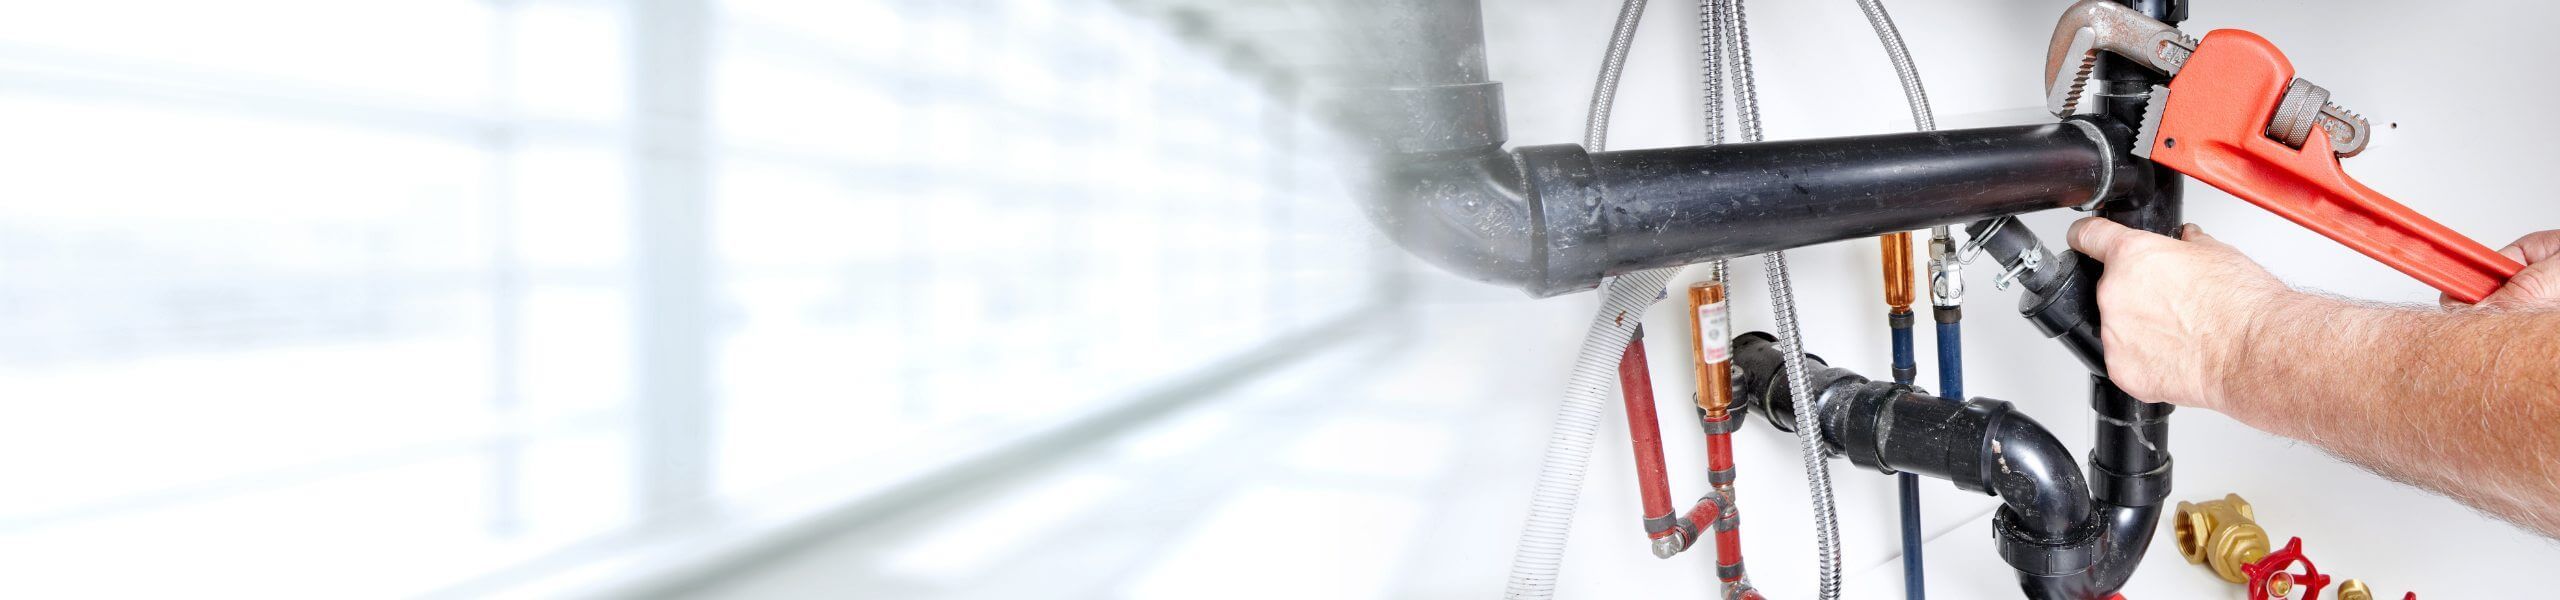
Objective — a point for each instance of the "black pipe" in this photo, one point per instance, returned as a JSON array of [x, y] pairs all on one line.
[[2131, 459], [1980, 445], [1555, 219], [1673, 206]]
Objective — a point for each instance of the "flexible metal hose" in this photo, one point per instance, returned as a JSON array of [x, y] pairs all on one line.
[[1914, 587], [1604, 93], [1912, 92], [1734, 27], [1711, 68], [1540, 555]]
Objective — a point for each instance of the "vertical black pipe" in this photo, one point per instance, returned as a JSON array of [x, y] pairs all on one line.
[[2130, 464]]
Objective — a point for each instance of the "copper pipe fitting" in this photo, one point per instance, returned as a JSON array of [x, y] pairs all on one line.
[[1898, 277], [2221, 534], [1710, 322]]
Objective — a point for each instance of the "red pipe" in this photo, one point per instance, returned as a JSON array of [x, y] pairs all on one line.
[[1728, 539], [1635, 384], [1644, 429]]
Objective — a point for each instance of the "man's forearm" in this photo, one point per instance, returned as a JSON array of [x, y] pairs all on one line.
[[2466, 403]]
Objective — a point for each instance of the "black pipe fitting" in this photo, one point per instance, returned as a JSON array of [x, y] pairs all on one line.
[[2048, 524], [2054, 292]]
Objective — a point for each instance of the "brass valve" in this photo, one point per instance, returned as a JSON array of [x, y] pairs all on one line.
[[2354, 589], [2221, 534]]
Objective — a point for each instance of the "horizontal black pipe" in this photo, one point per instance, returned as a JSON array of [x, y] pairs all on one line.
[[1555, 219], [2049, 520], [1673, 206]]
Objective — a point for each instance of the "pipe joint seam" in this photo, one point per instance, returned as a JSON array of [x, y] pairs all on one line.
[[2047, 554], [2133, 490]]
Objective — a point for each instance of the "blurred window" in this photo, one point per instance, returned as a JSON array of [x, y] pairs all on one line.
[[324, 298]]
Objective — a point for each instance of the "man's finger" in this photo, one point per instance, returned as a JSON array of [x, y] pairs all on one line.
[[2195, 233], [2534, 247], [2103, 239]]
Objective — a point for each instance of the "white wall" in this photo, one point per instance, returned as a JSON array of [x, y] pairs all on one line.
[[2450, 89]]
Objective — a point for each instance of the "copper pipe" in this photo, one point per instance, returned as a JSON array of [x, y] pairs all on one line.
[[1898, 277], [1710, 323]]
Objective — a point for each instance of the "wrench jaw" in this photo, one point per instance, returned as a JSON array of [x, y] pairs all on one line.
[[2348, 132], [2090, 27], [2067, 76], [2149, 132]]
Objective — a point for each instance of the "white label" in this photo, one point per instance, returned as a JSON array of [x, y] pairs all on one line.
[[1715, 333]]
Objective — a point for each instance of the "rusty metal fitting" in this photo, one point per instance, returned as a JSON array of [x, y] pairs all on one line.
[[2221, 534]]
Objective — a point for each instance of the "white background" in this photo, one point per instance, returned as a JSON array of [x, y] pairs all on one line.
[[2451, 88]]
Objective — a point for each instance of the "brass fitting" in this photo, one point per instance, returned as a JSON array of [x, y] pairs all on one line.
[[2354, 589], [2221, 534]]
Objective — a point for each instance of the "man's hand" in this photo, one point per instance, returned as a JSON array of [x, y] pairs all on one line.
[[2196, 324], [2178, 312], [2537, 286]]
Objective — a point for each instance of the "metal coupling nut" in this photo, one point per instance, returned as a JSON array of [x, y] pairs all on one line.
[[1666, 546], [2354, 589], [2221, 534], [1946, 270]]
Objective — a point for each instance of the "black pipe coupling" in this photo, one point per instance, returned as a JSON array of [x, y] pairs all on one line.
[[2055, 294], [2048, 524], [2131, 459], [2046, 554]]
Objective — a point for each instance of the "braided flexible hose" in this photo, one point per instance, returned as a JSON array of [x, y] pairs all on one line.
[[1782, 304], [1711, 67], [1891, 37], [1604, 93]]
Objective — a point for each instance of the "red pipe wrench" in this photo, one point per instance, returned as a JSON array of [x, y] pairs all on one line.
[[2234, 116]]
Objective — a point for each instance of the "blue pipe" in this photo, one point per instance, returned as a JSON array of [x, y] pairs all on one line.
[[1904, 368], [1950, 359], [1950, 386]]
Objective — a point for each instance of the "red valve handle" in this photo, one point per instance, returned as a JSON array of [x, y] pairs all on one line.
[[2264, 571], [2214, 129]]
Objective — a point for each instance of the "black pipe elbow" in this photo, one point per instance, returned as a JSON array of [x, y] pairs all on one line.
[[2048, 526], [1473, 214], [2036, 476]]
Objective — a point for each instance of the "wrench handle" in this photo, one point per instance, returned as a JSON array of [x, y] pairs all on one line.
[[2213, 129]]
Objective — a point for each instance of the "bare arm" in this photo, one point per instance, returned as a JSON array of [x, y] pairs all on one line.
[[2464, 402]]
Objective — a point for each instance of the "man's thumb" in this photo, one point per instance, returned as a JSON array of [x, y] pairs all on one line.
[[2099, 238], [2537, 284]]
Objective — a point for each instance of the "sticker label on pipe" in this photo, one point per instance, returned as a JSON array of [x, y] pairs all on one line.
[[1715, 333]]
